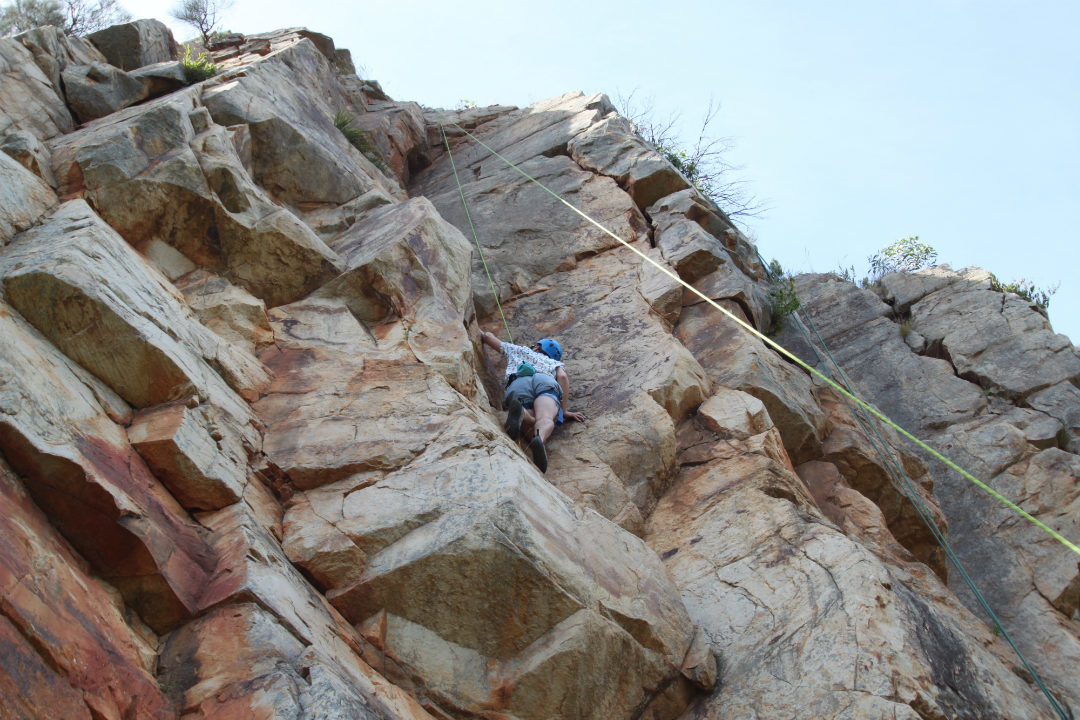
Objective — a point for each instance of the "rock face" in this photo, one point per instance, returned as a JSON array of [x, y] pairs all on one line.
[[251, 455]]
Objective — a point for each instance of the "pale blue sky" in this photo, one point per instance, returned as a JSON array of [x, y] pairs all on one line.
[[859, 122]]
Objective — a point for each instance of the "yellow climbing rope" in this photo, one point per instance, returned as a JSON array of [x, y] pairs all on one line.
[[783, 351]]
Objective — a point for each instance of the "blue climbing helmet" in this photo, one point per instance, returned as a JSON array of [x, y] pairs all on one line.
[[551, 348]]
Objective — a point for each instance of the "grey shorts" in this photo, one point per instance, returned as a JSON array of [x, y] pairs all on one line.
[[527, 389]]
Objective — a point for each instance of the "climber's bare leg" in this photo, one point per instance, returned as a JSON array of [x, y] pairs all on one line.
[[545, 410]]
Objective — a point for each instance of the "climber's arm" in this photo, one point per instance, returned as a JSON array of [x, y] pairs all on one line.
[[564, 382], [491, 340]]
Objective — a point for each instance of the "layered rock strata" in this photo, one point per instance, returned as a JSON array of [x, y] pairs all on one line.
[[250, 448]]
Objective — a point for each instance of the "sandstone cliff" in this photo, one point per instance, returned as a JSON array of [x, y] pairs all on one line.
[[250, 447]]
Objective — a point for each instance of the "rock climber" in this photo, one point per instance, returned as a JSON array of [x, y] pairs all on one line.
[[536, 390]]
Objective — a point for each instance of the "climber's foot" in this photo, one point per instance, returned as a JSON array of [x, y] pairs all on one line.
[[539, 453], [512, 426]]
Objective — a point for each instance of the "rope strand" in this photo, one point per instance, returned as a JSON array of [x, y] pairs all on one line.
[[798, 361]]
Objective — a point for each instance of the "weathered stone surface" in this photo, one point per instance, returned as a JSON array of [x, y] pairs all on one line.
[[738, 360], [735, 413], [95, 489], [136, 44], [526, 234], [239, 661], [28, 98], [298, 156], [691, 204], [398, 135], [233, 313], [996, 441], [904, 289], [408, 264], [24, 147], [633, 390], [514, 558], [1035, 591], [330, 220], [68, 646], [396, 485], [871, 458], [542, 129], [24, 198], [693, 252], [994, 339], [99, 89], [1061, 401], [149, 175], [611, 147], [728, 282], [176, 442], [54, 51], [884, 371], [81, 285], [782, 595], [330, 414]]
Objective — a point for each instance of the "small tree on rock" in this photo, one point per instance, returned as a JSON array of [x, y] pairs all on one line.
[[904, 255], [203, 15]]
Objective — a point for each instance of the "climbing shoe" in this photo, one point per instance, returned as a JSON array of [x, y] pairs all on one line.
[[512, 426], [539, 453]]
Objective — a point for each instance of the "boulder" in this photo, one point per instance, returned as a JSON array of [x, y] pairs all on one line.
[[99, 89], [691, 204], [162, 78], [199, 470], [186, 200], [136, 44], [28, 98], [611, 147], [54, 52], [24, 198], [494, 603], [24, 148], [693, 252], [902, 290]]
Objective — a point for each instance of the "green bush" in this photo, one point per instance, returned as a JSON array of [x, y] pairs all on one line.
[[198, 69], [1025, 289], [785, 300], [904, 255], [358, 138]]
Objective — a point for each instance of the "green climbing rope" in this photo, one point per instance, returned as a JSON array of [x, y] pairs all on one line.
[[461, 192], [798, 361]]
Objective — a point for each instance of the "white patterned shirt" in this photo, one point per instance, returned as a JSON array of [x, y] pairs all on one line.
[[517, 354]]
